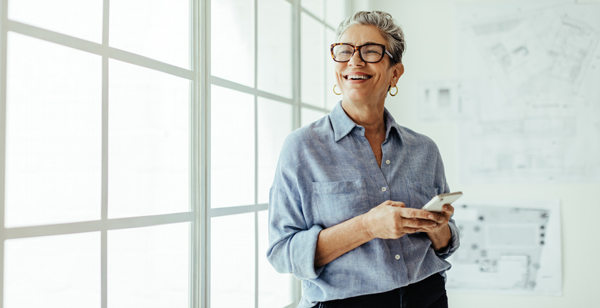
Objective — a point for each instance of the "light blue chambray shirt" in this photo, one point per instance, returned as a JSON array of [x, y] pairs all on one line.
[[326, 174]]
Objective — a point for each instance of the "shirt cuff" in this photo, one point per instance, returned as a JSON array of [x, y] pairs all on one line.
[[303, 247], [454, 242]]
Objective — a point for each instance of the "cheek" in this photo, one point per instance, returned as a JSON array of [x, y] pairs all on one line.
[[385, 78], [338, 74], [339, 67]]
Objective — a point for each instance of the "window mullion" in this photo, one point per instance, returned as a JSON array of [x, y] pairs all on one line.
[[200, 154], [256, 272], [296, 92], [104, 189], [324, 40], [3, 49]]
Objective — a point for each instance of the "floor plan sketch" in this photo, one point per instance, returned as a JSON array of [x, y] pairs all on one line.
[[507, 248], [532, 71]]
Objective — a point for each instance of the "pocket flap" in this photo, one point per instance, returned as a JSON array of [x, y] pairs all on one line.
[[340, 187]]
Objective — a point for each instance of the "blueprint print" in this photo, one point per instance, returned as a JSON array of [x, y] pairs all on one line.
[[532, 72], [512, 248]]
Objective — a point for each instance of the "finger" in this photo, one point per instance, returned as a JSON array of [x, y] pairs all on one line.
[[397, 204], [420, 223], [415, 213], [387, 202], [439, 218], [448, 209], [413, 230]]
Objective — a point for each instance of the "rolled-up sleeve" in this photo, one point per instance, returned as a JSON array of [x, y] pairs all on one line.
[[444, 189], [292, 242], [454, 241]]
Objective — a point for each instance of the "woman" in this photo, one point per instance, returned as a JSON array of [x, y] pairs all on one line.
[[344, 212]]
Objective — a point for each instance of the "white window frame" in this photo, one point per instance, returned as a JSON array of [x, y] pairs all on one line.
[[197, 211], [297, 105], [200, 213]]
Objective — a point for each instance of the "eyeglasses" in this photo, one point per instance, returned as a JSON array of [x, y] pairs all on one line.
[[370, 53]]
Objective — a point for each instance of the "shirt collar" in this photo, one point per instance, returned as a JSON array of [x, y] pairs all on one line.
[[343, 125], [389, 124]]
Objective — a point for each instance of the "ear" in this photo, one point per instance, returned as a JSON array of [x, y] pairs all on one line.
[[397, 71]]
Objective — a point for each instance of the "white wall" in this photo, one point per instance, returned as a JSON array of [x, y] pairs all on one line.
[[429, 30], [361, 5]]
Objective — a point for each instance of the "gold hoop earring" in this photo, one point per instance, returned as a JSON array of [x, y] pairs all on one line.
[[390, 90], [335, 85]]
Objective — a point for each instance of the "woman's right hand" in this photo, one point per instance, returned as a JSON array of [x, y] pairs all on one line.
[[392, 220]]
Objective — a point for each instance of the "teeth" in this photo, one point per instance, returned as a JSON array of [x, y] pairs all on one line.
[[358, 77]]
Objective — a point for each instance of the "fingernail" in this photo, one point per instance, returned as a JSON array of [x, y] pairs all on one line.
[[429, 216], [433, 224]]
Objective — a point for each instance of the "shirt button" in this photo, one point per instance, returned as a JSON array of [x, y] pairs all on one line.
[[397, 257], [383, 189], [387, 162]]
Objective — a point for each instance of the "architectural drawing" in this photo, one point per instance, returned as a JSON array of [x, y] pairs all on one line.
[[507, 248], [532, 70]]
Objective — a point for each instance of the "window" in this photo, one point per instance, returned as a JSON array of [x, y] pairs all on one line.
[[97, 157], [251, 114], [258, 96], [138, 143], [319, 20]]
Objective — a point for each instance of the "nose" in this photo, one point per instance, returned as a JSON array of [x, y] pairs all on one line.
[[355, 60]]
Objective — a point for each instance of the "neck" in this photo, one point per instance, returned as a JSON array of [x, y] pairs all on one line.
[[369, 116]]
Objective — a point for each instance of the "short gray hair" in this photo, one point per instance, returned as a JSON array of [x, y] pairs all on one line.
[[385, 23]]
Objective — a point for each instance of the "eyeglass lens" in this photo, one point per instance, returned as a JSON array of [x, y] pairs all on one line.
[[369, 53]]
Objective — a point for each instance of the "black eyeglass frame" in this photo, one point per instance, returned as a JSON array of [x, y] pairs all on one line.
[[360, 53]]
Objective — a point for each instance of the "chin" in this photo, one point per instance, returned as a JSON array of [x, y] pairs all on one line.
[[359, 96]]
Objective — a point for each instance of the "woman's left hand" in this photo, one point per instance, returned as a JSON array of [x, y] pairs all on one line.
[[441, 218], [440, 235]]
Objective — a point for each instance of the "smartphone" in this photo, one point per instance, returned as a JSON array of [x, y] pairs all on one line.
[[436, 203]]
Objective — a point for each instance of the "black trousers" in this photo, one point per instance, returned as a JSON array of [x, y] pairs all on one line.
[[427, 293]]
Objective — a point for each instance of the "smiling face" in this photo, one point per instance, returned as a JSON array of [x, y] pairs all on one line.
[[361, 82]]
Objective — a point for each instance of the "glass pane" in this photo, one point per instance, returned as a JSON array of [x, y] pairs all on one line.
[[232, 40], [332, 98], [312, 66], [148, 136], [53, 133], [53, 271], [314, 6], [232, 261], [274, 289], [275, 47], [309, 116], [149, 267], [158, 29], [82, 19], [232, 148], [274, 124], [335, 12]]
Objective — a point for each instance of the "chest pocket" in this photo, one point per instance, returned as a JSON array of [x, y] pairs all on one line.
[[421, 194], [337, 202]]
